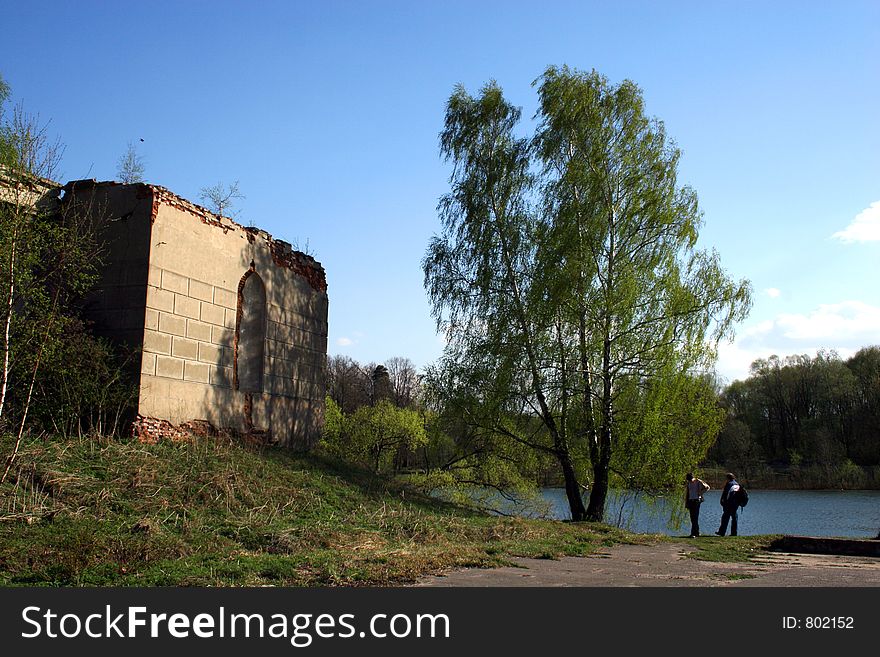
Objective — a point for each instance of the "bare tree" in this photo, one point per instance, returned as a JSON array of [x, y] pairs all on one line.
[[404, 381], [130, 167], [220, 198], [348, 384]]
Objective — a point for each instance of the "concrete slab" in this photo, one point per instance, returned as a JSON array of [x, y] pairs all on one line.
[[666, 564]]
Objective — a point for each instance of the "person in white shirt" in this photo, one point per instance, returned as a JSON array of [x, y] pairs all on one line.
[[693, 498]]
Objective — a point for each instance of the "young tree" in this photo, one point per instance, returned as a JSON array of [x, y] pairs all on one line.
[[29, 159], [220, 198], [48, 258], [561, 290], [130, 166]]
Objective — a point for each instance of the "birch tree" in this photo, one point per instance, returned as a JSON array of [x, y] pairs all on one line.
[[480, 278], [48, 258], [221, 197], [28, 159], [643, 301], [568, 273]]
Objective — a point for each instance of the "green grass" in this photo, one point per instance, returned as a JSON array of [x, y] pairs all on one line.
[[210, 512]]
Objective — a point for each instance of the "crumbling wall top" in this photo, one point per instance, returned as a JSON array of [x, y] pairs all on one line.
[[283, 255], [28, 190]]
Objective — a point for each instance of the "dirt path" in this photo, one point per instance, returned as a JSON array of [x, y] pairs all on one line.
[[665, 564]]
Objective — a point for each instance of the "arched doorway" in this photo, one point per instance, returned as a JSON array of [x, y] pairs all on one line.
[[250, 333]]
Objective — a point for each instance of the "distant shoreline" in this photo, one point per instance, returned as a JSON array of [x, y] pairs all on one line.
[[809, 478]]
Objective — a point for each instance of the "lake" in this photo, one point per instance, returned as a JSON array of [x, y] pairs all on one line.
[[851, 513]]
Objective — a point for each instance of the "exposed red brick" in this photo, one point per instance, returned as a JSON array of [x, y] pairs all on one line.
[[300, 263], [151, 430]]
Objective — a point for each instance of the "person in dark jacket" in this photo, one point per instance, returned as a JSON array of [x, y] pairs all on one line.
[[693, 498], [730, 505]]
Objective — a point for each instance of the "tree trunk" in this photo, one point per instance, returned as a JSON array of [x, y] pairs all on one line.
[[599, 492], [596, 509], [572, 488], [8, 322]]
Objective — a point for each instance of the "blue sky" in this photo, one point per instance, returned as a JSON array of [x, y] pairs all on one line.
[[327, 113]]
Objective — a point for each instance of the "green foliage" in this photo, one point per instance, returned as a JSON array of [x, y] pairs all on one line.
[[85, 385], [54, 375], [662, 428], [333, 420], [373, 435]]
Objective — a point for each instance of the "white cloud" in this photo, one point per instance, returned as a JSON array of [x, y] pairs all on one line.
[[845, 321], [843, 327], [344, 342], [864, 228], [772, 292]]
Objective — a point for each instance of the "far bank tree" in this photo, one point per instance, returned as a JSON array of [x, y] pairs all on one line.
[[578, 310], [374, 434], [816, 418]]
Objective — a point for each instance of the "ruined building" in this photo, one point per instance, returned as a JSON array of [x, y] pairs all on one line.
[[230, 324]]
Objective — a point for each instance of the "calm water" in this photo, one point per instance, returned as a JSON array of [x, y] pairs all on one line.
[[854, 513]]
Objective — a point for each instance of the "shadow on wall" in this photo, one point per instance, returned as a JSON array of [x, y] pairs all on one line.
[[271, 361]]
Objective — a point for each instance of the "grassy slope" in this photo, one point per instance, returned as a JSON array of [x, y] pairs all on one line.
[[209, 512]]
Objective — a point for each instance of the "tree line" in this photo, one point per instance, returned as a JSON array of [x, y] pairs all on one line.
[[394, 420], [812, 420], [798, 421]]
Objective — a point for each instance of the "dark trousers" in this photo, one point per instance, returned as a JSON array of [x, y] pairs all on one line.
[[729, 514], [694, 507]]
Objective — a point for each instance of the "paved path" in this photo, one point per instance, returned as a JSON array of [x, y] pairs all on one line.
[[665, 564]]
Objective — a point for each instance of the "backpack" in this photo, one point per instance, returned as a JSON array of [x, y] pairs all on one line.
[[742, 497]]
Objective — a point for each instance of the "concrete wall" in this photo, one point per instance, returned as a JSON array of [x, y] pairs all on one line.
[[122, 212], [196, 264]]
